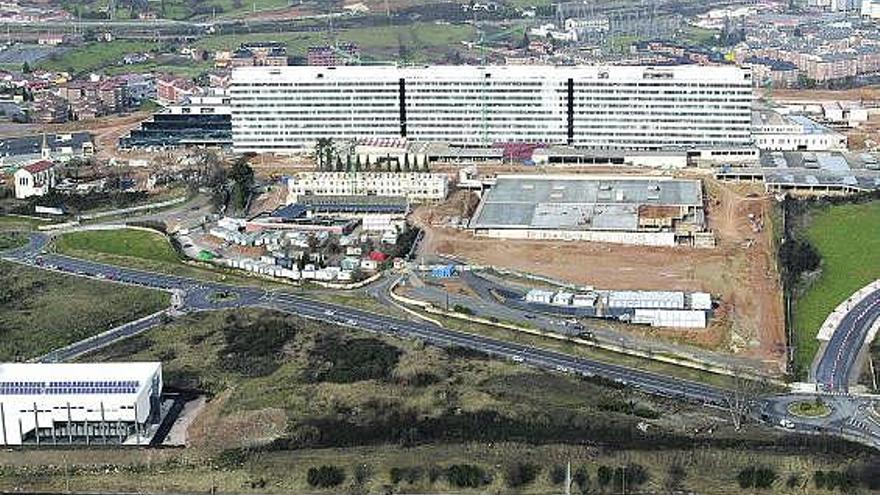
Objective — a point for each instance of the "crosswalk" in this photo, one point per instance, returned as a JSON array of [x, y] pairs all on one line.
[[859, 423]]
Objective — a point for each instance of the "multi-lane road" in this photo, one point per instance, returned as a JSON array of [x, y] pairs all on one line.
[[839, 365], [201, 296]]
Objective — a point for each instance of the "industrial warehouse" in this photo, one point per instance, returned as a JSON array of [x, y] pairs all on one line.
[[83, 403], [650, 211]]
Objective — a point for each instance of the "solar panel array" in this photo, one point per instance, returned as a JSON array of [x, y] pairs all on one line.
[[69, 387]]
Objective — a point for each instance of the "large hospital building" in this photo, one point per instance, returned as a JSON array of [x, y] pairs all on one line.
[[284, 109]]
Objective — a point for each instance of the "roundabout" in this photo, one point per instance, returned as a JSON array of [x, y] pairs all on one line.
[[812, 409]]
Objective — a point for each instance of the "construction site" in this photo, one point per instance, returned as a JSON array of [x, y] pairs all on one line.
[[739, 271]]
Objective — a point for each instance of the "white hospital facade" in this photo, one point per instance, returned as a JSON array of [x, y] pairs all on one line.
[[284, 109]]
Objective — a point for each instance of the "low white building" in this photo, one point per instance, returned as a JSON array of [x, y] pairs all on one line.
[[777, 132], [82, 403], [540, 296], [36, 179], [414, 186]]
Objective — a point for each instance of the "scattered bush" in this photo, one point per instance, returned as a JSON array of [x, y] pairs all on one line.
[[459, 352], [581, 477], [231, 459], [253, 347], [557, 474], [834, 480], [347, 361], [604, 476], [628, 407], [411, 475], [756, 477], [521, 474], [467, 476], [419, 379], [798, 256], [458, 308], [629, 476], [325, 476], [675, 478], [363, 473]]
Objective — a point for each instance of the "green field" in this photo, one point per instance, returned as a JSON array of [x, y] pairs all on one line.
[[12, 240], [420, 39], [848, 238], [130, 243], [94, 56], [9, 222], [150, 251], [178, 9], [41, 311]]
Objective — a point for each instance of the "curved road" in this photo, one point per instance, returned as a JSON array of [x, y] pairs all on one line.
[[198, 298], [839, 364], [861, 425]]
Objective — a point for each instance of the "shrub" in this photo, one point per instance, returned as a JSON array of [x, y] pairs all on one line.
[[252, 347], [521, 474], [325, 476], [834, 480], [582, 478], [411, 475], [362, 473], [467, 476], [557, 474], [337, 361], [756, 477], [458, 308], [628, 476], [604, 476]]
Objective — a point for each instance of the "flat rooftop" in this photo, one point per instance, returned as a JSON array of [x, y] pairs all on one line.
[[19, 379], [578, 202]]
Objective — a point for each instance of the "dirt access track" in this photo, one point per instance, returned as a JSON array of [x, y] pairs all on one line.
[[741, 272]]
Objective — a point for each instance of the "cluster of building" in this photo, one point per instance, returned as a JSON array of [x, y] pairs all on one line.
[[52, 98], [335, 227], [788, 49], [79, 404], [253, 54], [654, 308]]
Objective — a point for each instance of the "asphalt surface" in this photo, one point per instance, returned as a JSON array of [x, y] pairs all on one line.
[[201, 296], [852, 417], [839, 364]]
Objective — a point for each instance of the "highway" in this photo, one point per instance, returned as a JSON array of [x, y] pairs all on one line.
[[839, 364], [198, 297]]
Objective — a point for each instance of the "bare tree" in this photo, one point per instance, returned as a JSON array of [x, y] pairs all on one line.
[[742, 397]]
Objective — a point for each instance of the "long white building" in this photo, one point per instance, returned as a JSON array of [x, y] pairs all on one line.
[[414, 186], [284, 109], [82, 403]]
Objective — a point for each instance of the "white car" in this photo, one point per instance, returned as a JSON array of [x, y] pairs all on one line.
[[518, 359], [786, 423]]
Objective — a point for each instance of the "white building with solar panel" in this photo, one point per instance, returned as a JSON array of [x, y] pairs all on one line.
[[82, 403]]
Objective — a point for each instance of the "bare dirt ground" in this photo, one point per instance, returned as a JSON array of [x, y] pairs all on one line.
[[106, 131], [740, 272], [870, 93]]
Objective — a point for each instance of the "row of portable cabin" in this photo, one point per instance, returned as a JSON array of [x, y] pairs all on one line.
[[309, 272]]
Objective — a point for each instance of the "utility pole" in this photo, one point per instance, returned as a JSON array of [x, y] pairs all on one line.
[[568, 478]]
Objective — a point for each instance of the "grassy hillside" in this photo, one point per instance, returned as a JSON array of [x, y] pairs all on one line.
[[41, 311], [848, 239]]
